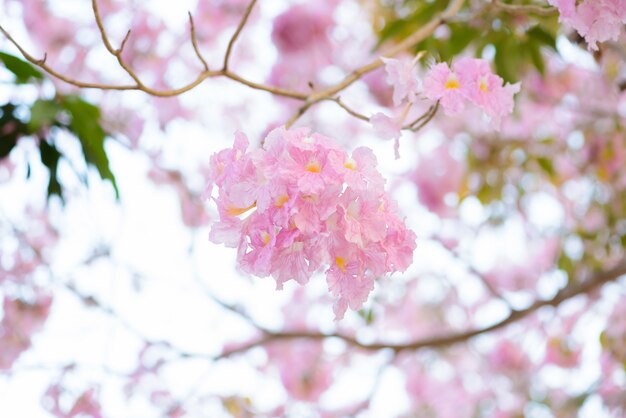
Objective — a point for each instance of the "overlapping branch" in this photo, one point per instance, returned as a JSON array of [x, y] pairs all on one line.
[[138, 85], [309, 99]]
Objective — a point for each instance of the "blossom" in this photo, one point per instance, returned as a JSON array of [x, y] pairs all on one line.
[[437, 175], [401, 75], [304, 370], [302, 27], [300, 205], [443, 84], [595, 20], [470, 79]]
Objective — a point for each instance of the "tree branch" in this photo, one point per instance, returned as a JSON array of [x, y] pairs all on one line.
[[422, 33], [524, 9], [566, 293], [194, 42], [232, 41]]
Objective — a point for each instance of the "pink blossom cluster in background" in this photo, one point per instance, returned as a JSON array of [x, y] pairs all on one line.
[[86, 404], [470, 80], [20, 321], [302, 36], [301, 203], [595, 20]]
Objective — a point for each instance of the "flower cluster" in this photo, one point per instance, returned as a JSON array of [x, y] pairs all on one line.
[[19, 322], [470, 79], [299, 205], [594, 20]]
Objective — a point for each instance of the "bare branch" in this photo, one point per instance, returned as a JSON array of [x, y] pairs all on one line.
[[566, 293], [524, 9], [423, 120], [350, 110], [232, 41], [121, 49], [257, 86], [422, 33], [194, 42], [117, 53], [41, 63]]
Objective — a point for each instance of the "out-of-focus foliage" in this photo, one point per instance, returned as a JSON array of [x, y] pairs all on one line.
[[45, 118]]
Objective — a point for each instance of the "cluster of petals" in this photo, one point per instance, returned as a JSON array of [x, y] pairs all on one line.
[[304, 371], [300, 205], [595, 20], [470, 80], [19, 322]]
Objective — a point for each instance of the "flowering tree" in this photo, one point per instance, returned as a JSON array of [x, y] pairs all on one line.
[[330, 208]]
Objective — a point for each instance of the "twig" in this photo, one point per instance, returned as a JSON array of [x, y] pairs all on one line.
[[524, 9], [194, 42], [422, 33], [446, 340], [117, 53], [349, 110], [423, 120], [232, 41]]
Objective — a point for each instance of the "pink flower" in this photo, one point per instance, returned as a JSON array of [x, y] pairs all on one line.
[[560, 354], [438, 174], [359, 170], [304, 371], [347, 284], [470, 79], [386, 127], [595, 20], [302, 27], [486, 89], [443, 84], [301, 204], [401, 74]]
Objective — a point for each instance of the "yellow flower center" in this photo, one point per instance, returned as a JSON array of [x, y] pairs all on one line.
[[483, 86], [281, 200], [313, 167], [341, 263], [350, 164], [265, 237], [452, 82]]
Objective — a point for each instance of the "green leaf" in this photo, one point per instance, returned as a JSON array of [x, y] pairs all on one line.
[[50, 158], [542, 36], [22, 70], [534, 50], [85, 124], [508, 58], [43, 113], [11, 127], [460, 37], [546, 165]]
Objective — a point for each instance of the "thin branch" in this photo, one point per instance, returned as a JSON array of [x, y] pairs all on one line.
[[41, 63], [446, 340], [423, 120], [349, 110], [257, 86], [117, 53], [422, 33], [194, 42], [232, 41], [524, 9]]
